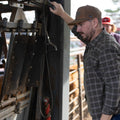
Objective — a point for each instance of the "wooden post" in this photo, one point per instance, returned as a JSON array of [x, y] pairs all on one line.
[[80, 88]]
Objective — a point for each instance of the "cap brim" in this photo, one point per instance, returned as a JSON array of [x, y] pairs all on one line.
[[74, 22], [106, 23]]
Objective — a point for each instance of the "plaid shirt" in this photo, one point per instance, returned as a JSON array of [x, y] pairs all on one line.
[[102, 75]]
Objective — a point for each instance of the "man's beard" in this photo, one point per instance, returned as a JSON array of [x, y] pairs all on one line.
[[88, 38]]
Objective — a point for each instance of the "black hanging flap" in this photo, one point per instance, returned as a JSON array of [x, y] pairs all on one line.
[[14, 65]]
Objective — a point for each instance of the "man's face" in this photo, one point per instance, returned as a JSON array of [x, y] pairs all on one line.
[[108, 27], [86, 30]]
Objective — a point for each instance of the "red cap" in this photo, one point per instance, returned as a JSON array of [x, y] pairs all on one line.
[[106, 20]]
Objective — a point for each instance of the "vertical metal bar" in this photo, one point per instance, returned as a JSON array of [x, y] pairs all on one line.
[[64, 111], [4, 47], [80, 88]]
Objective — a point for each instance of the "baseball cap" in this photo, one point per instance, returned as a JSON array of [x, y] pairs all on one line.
[[85, 13], [107, 20]]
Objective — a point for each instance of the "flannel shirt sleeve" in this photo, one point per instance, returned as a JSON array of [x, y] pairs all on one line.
[[110, 62]]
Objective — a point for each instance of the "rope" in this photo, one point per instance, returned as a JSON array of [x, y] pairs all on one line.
[[47, 108]]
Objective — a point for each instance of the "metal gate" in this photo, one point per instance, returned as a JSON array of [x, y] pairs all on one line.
[[77, 102]]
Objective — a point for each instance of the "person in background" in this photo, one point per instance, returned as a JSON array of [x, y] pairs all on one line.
[[110, 28], [101, 61]]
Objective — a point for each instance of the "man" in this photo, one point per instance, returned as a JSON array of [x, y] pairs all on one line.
[[101, 61], [110, 28]]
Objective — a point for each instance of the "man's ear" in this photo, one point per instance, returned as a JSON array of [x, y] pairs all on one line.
[[95, 22]]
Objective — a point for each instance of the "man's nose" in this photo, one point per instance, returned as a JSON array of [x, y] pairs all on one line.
[[78, 28]]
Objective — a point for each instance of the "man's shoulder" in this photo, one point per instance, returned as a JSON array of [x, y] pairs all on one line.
[[106, 41]]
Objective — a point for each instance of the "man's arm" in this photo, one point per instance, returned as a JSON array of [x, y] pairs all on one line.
[[58, 10], [61, 12], [110, 68]]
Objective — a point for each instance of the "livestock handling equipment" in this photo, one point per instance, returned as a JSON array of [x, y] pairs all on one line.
[[34, 69]]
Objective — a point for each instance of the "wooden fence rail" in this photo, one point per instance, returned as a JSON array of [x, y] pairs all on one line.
[[77, 102]]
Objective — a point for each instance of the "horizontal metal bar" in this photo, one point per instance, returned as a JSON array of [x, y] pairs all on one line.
[[76, 117], [73, 71], [83, 100], [75, 53], [6, 111], [7, 102], [77, 49], [22, 30], [73, 100], [73, 81], [26, 101], [11, 100], [15, 25], [12, 25], [9, 111], [72, 91], [6, 116], [23, 95], [23, 107], [74, 109], [84, 108]]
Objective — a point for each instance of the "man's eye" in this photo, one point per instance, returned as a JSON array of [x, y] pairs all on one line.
[[80, 24]]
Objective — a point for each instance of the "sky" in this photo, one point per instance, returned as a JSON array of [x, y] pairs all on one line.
[[101, 4]]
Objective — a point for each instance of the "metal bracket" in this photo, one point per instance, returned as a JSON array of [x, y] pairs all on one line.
[[20, 25], [17, 108], [18, 5]]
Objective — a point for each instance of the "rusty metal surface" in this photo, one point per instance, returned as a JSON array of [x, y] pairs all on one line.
[[14, 64], [58, 64], [20, 55], [26, 26], [4, 8], [29, 54], [37, 66]]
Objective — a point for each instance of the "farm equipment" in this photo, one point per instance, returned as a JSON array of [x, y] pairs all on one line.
[[34, 65]]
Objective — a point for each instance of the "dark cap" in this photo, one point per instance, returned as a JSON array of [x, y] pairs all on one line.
[[85, 13]]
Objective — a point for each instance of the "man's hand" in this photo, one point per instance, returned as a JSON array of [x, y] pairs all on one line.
[[105, 117], [58, 9]]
